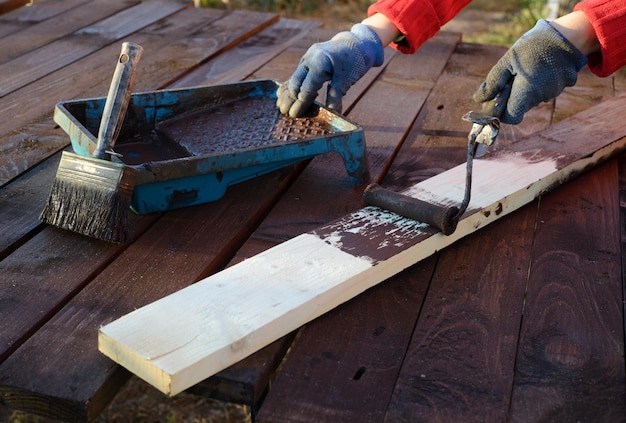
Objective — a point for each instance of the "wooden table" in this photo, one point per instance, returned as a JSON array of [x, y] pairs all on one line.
[[522, 321]]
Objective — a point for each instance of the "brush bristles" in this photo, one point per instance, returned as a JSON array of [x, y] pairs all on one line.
[[90, 211]]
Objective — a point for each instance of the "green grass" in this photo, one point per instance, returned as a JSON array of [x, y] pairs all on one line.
[[510, 18]]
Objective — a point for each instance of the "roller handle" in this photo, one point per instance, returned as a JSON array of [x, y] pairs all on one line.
[[117, 99], [443, 218], [492, 109]]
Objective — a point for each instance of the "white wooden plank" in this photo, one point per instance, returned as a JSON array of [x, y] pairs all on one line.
[[198, 331]]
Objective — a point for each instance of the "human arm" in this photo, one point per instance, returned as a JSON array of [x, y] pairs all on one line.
[[596, 29], [540, 65], [344, 59], [341, 61], [608, 19]]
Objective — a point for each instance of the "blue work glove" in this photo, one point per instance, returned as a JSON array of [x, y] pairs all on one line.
[[343, 61], [540, 65]]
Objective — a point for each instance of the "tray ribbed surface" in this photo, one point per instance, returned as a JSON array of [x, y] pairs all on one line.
[[251, 122]]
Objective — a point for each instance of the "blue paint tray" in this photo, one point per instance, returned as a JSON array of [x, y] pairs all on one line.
[[189, 145]]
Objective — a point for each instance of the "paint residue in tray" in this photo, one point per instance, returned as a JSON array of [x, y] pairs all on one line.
[[251, 122]]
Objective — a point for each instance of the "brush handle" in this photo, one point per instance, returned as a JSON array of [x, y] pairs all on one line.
[[117, 99]]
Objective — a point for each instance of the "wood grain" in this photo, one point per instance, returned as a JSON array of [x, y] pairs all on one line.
[[459, 365], [238, 63], [61, 52], [570, 360], [62, 24]]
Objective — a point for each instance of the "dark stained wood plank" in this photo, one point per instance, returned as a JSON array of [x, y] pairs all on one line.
[[40, 276], [452, 98], [239, 62], [21, 202], [460, 363], [24, 147], [165, 44], [37, 35], [23, 17], [38, 63], [209, 39], [570, 363], [622, 210], [40, 11]]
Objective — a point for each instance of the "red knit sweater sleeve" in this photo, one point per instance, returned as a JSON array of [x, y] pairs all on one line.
[[418, 20], [608, 18]]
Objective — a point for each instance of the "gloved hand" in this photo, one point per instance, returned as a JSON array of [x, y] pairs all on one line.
[[343, 61], [540, 65]]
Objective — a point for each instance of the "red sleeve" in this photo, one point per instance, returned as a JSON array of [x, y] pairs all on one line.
[[608, 18], [418, 20]]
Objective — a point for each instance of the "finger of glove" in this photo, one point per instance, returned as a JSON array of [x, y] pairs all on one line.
[[521, 100], [494, 83], [288, 93], [308, 92], [296, 102], [334, 99], [284, 99], [306, 86]]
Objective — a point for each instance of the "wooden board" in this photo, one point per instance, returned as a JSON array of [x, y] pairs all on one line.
[[570, 359], [241, 61], [181, 339], [34, 65], [37, 35]]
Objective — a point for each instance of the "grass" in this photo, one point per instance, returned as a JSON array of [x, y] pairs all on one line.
[[509, 18]]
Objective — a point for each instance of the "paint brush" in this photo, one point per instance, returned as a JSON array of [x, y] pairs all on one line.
[[92, 195]]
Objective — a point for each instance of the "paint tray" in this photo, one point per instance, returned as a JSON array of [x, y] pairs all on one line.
[[189, 145]]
